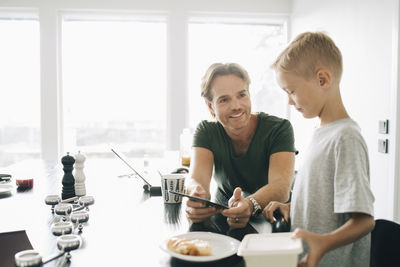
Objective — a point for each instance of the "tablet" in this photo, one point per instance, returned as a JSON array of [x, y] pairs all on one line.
[[206, 201]]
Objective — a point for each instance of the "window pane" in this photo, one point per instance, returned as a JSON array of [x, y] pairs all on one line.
[[114, 87], [252, 46], [20, 91]]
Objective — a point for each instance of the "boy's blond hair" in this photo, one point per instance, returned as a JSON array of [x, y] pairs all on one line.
[[309, 52]]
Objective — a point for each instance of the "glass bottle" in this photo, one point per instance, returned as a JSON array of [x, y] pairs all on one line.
[[185, 147]]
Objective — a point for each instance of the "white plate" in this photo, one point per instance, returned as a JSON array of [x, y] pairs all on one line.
[[222, 246], [6, 188]]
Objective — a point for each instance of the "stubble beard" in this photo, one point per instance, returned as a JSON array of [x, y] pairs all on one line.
[[237, 130]]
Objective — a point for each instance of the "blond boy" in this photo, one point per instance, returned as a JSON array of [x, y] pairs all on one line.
[[332, 204]]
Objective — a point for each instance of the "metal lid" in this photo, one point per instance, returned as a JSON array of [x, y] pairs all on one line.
[[79, 216], [52, 199], [61, 228], [68, 242], [86, 200], [28, 258], [63, 208]]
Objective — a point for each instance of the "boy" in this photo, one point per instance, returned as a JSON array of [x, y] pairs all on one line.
[[332, 204]]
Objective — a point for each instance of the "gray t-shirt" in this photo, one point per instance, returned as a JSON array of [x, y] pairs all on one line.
[[332, 183]]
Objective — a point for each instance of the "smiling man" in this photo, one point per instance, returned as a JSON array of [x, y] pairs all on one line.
[[253, 153]]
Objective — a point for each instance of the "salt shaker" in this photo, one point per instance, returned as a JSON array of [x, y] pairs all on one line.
[[79, 175]]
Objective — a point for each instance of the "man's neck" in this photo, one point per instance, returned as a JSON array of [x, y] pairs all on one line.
[[245, 133]]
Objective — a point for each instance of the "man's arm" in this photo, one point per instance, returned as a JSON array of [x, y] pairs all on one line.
[[199, 185], [280, 177], [201, 169]]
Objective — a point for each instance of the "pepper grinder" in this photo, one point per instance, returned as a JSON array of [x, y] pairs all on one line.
[[68, 181], [80, 188]]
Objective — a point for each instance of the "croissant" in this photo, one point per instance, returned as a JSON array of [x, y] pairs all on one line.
[[192, 247]]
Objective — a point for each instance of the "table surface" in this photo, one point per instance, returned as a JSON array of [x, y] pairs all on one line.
[[126, 225]]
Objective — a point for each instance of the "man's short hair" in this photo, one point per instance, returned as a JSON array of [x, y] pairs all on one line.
[[308, 52]]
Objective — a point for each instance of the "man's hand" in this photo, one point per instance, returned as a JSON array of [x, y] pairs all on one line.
[[197, 211], [240, 210]]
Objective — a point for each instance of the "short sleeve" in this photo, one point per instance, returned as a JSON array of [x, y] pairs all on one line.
[[282, 138], [201, 137], [352, 189]]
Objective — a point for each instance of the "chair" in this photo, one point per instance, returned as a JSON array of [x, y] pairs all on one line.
[[385, 244]]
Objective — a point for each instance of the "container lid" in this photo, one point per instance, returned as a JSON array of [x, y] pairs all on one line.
[[268, 244]]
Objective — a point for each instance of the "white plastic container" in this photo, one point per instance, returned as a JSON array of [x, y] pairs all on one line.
[[270, 250]]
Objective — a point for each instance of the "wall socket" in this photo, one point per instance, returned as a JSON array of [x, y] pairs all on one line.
[[383, 145], [384, 126]]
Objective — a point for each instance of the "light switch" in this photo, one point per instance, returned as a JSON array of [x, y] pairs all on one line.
[[384, 126], [383, 145]]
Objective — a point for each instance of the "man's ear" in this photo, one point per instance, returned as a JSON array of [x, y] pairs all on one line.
[[210, 108], [324, 78]]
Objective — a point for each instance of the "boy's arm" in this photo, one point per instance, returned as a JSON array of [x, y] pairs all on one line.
[[356, 227], [268, 211]]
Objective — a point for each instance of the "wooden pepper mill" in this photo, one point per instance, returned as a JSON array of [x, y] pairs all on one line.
[[68, 181]]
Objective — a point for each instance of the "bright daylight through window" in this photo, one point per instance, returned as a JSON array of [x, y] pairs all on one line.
[[19, 93], [253, 46], [114, 87], [114, 80]]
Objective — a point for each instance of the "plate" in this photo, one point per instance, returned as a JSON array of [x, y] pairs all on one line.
[[6, 188], [222, 246]]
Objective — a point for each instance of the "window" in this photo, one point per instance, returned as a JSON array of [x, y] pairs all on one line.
[[110, 74], [20, 91], [114, 86], [253, 46]]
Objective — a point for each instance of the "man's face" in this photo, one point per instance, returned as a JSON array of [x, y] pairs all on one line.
[[231, 102]]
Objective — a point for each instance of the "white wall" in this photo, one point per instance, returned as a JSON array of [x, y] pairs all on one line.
[[365, 31]]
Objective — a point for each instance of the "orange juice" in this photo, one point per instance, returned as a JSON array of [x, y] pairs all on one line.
[[185, 146], [185, 161]]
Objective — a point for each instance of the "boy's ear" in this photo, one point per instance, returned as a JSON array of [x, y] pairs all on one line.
[[324, 77]]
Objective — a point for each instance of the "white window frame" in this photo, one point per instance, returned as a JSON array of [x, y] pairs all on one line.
[[241, 18], [84, 15], [50, 18]]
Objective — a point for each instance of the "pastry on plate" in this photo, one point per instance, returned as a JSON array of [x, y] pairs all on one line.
[[192, 247]]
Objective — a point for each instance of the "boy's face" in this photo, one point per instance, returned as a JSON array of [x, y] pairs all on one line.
[[305, 95], [231, 102]]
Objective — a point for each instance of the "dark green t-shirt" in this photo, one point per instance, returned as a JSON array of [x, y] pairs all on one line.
[[250, 171]]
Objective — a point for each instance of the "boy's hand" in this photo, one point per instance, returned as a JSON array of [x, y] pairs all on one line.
[[358, 226], [239, 211], [197, 211], [316, 249], [268, 211]]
